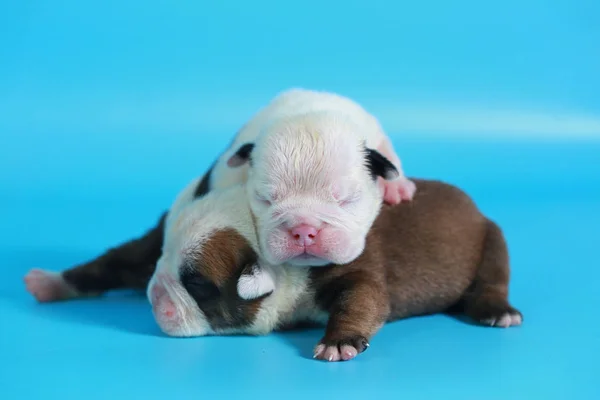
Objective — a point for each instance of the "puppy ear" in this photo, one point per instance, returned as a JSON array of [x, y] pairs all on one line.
[[241, 156], [379, 165], [255, 282]]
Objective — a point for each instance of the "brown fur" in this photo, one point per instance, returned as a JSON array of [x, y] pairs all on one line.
[[211, 280], [222, 255], [421, 257]]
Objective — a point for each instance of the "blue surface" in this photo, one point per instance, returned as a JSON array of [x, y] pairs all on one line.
[[107, 110]]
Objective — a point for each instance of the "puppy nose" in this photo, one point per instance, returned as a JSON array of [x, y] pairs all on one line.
[[304, 235], [162, 305]]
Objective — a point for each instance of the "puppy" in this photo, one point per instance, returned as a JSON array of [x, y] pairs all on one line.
[[307, 188], [435, 254]]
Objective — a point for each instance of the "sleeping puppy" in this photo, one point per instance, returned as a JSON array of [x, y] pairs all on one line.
[[307, 188], [436, 254]]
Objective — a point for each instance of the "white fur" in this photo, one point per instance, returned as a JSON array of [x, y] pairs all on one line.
[[308, 158], [309, 162], [189, 225], [309, 167], [296, 102], [189, 320], [256, 284], [291, 297], [292, 300]]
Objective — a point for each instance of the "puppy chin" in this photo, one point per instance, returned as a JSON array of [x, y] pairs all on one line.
[[308, 261], [334, 246]]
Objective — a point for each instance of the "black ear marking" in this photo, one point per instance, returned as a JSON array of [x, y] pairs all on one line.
[[241, 156], [379, 165]]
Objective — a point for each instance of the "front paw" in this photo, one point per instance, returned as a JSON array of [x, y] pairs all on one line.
[[340, 349]]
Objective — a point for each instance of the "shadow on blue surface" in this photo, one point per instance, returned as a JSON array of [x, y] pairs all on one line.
[[125, 311]]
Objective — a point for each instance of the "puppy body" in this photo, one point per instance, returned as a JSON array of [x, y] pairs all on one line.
[[435, 254]]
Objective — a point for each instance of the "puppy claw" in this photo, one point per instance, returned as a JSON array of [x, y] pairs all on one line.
[[332, 354], [319, 350], [498, 314], [505, 320], [340, 350]]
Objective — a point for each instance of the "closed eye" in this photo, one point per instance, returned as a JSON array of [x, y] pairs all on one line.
[[263, 200], [199, 287], [349, 200]]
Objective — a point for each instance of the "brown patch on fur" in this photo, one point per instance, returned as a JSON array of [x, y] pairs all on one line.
[[211, 280], [222, 255]]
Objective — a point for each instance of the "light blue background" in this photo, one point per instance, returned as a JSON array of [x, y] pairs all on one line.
[[108, 108]]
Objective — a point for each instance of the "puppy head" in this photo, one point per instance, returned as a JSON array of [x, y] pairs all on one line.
[[208, 280], [313, 190]]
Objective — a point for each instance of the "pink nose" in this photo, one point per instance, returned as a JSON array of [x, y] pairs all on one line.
[[304, 235], [161, 303]]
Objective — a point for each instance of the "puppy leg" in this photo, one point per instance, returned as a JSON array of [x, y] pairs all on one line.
[[401, 188], [358, 306], [129, 265], [486, 301]]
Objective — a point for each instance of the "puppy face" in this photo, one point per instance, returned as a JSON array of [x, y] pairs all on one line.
[[207, 280], [313, 191]]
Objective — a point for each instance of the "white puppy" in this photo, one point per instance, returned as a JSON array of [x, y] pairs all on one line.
[[307, 186]]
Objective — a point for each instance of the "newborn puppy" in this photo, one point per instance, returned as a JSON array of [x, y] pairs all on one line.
[[437, 254], [311, 181]]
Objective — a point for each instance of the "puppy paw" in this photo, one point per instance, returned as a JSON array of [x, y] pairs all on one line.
[[48, 286], [402, 189], [505, 320], [501, 316], [340, 350]]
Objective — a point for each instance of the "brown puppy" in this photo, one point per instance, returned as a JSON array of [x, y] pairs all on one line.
[[450, 257], [434, 254]]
